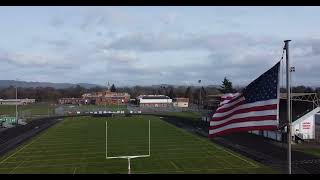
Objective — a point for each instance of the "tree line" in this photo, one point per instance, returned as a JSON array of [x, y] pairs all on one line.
[[191, 92]]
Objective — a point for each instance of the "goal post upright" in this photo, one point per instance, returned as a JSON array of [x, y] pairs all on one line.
[[106, 139], [149, 139], [126, 157]]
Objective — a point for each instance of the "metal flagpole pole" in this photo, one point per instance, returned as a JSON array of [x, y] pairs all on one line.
[[288, 105]]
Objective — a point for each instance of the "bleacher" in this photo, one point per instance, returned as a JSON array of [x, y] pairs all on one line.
[[299, 109]]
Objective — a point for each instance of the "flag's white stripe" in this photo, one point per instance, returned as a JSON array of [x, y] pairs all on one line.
[[231, 104], [231, 96], [244, 115], [226, 101], [248, 105], [244, 124]]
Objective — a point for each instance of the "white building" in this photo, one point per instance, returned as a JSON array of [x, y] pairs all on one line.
[[16, 101], [181, 102], [304, 113], [154, 101]]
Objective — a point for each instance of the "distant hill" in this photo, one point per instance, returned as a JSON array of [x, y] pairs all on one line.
[[24, 84]]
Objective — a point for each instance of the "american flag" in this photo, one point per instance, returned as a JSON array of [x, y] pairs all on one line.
[[256, 108]]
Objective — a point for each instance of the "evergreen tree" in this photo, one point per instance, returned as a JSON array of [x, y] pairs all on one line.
[[203, 92], [226, 86], [171, 93], [188, 93], [113, 88]]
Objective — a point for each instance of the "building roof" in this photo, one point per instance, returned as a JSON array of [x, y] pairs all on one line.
[[105, 94], [71, 98], [7, 100], [182, 99], [153, 97]]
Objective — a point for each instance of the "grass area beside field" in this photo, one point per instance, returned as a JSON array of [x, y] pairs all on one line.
[[27, 111], [77, 145], [186, 114], [312, 150], [121, 107]]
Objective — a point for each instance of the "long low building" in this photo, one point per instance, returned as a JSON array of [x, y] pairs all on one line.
[[154, 101], [305, 113], [106, 98], [71, 101], [16, 101], [99, 98]]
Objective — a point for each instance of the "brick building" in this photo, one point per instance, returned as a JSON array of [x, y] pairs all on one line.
[[106, 98]]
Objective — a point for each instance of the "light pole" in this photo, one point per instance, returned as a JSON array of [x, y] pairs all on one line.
[[16, 105], [199, 81]]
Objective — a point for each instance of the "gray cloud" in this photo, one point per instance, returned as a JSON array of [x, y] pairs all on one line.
[[56, 22], [169, 18], [94, 17], [239, 57], [163, 42], [60, 43]]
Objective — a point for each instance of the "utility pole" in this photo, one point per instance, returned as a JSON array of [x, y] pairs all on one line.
[[199, 81], [16, 105], [288, 103]]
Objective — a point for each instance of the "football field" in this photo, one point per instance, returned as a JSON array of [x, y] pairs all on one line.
[[78, 146]]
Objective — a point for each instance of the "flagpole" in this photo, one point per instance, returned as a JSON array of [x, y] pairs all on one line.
[[288, 104]]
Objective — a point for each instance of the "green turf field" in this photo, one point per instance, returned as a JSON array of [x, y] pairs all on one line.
[[31, 110], [78, 145], [315, 150], [186, 114], [102, 107]]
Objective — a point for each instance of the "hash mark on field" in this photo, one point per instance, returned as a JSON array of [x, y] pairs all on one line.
[[174, 164], [16, 167], [22, 148], [222, 149]]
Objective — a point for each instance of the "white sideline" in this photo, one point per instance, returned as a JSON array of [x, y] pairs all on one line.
[[254, 165], [23, 147]]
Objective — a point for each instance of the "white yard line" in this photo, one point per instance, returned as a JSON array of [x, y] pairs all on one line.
[[22, 148], [16, 167], [174, 164], [184, 131], [94, 157], [188, 170], [114, 166]]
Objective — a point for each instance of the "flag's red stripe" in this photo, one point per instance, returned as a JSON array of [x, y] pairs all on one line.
[[230, 108], [246, 119], [243, 129], [234, 99], [246, 110]]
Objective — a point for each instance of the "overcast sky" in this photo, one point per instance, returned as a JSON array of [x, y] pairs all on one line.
[[155, 45]]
